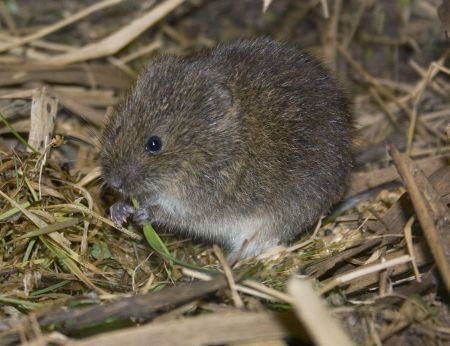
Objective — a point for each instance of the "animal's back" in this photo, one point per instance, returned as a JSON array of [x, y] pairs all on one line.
[[296, 124]]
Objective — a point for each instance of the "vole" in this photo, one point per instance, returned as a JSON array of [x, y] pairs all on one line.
[[248, 143]]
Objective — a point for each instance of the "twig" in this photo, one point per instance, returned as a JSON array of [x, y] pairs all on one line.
[[92, 75], [325, 10], [407, 171], [384, 274], [61, 24], [396, 217], [383, 91], [391, 116], [435, 85], [266, 4], [119, 39], [87, 113], [353, 274], [139, 307], [421, 257], [210, 329], [229, 275], [81, 208], [151, 47], [311, 310], [355, 23], [267, 290], [436, 66], [332, 35], [256, 288], [364, 180], [412, 125], [310, 239], [410, 246]]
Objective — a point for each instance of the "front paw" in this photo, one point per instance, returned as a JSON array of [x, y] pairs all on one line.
[[146, 215], [120, 211]]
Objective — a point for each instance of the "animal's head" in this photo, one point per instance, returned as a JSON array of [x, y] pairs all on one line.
[[177, 122]]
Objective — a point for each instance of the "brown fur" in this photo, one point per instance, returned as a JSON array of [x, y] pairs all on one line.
[[256, 144]]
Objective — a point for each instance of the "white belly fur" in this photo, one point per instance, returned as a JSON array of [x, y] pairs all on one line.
[[230, 230]]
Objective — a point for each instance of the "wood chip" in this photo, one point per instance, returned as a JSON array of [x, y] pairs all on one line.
[[43, 115]]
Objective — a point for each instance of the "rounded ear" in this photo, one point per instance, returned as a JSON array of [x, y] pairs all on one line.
[[219, 86]]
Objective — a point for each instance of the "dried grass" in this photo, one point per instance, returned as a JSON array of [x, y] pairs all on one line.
[[61, 258]]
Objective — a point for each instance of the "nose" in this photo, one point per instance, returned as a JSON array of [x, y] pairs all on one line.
[[122, 179]]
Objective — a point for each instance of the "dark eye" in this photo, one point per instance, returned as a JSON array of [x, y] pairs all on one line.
[[153, 145]]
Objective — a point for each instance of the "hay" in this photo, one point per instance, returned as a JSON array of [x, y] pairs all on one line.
[[62, 261]]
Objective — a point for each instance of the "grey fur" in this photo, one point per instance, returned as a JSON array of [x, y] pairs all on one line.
[[256, 144]]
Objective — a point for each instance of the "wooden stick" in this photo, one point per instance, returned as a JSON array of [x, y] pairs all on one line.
[[410, 247], [312, 311], [209, 329], [408, 171], [229, 275], [139, 307], [365, 270]]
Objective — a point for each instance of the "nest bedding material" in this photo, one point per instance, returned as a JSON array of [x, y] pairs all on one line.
[[66, 271]]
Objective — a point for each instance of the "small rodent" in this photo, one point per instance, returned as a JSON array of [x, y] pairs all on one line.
[[247, 143]]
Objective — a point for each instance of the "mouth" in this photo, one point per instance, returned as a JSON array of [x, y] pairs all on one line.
[[117, 187], [124, 183], [126, 193]]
